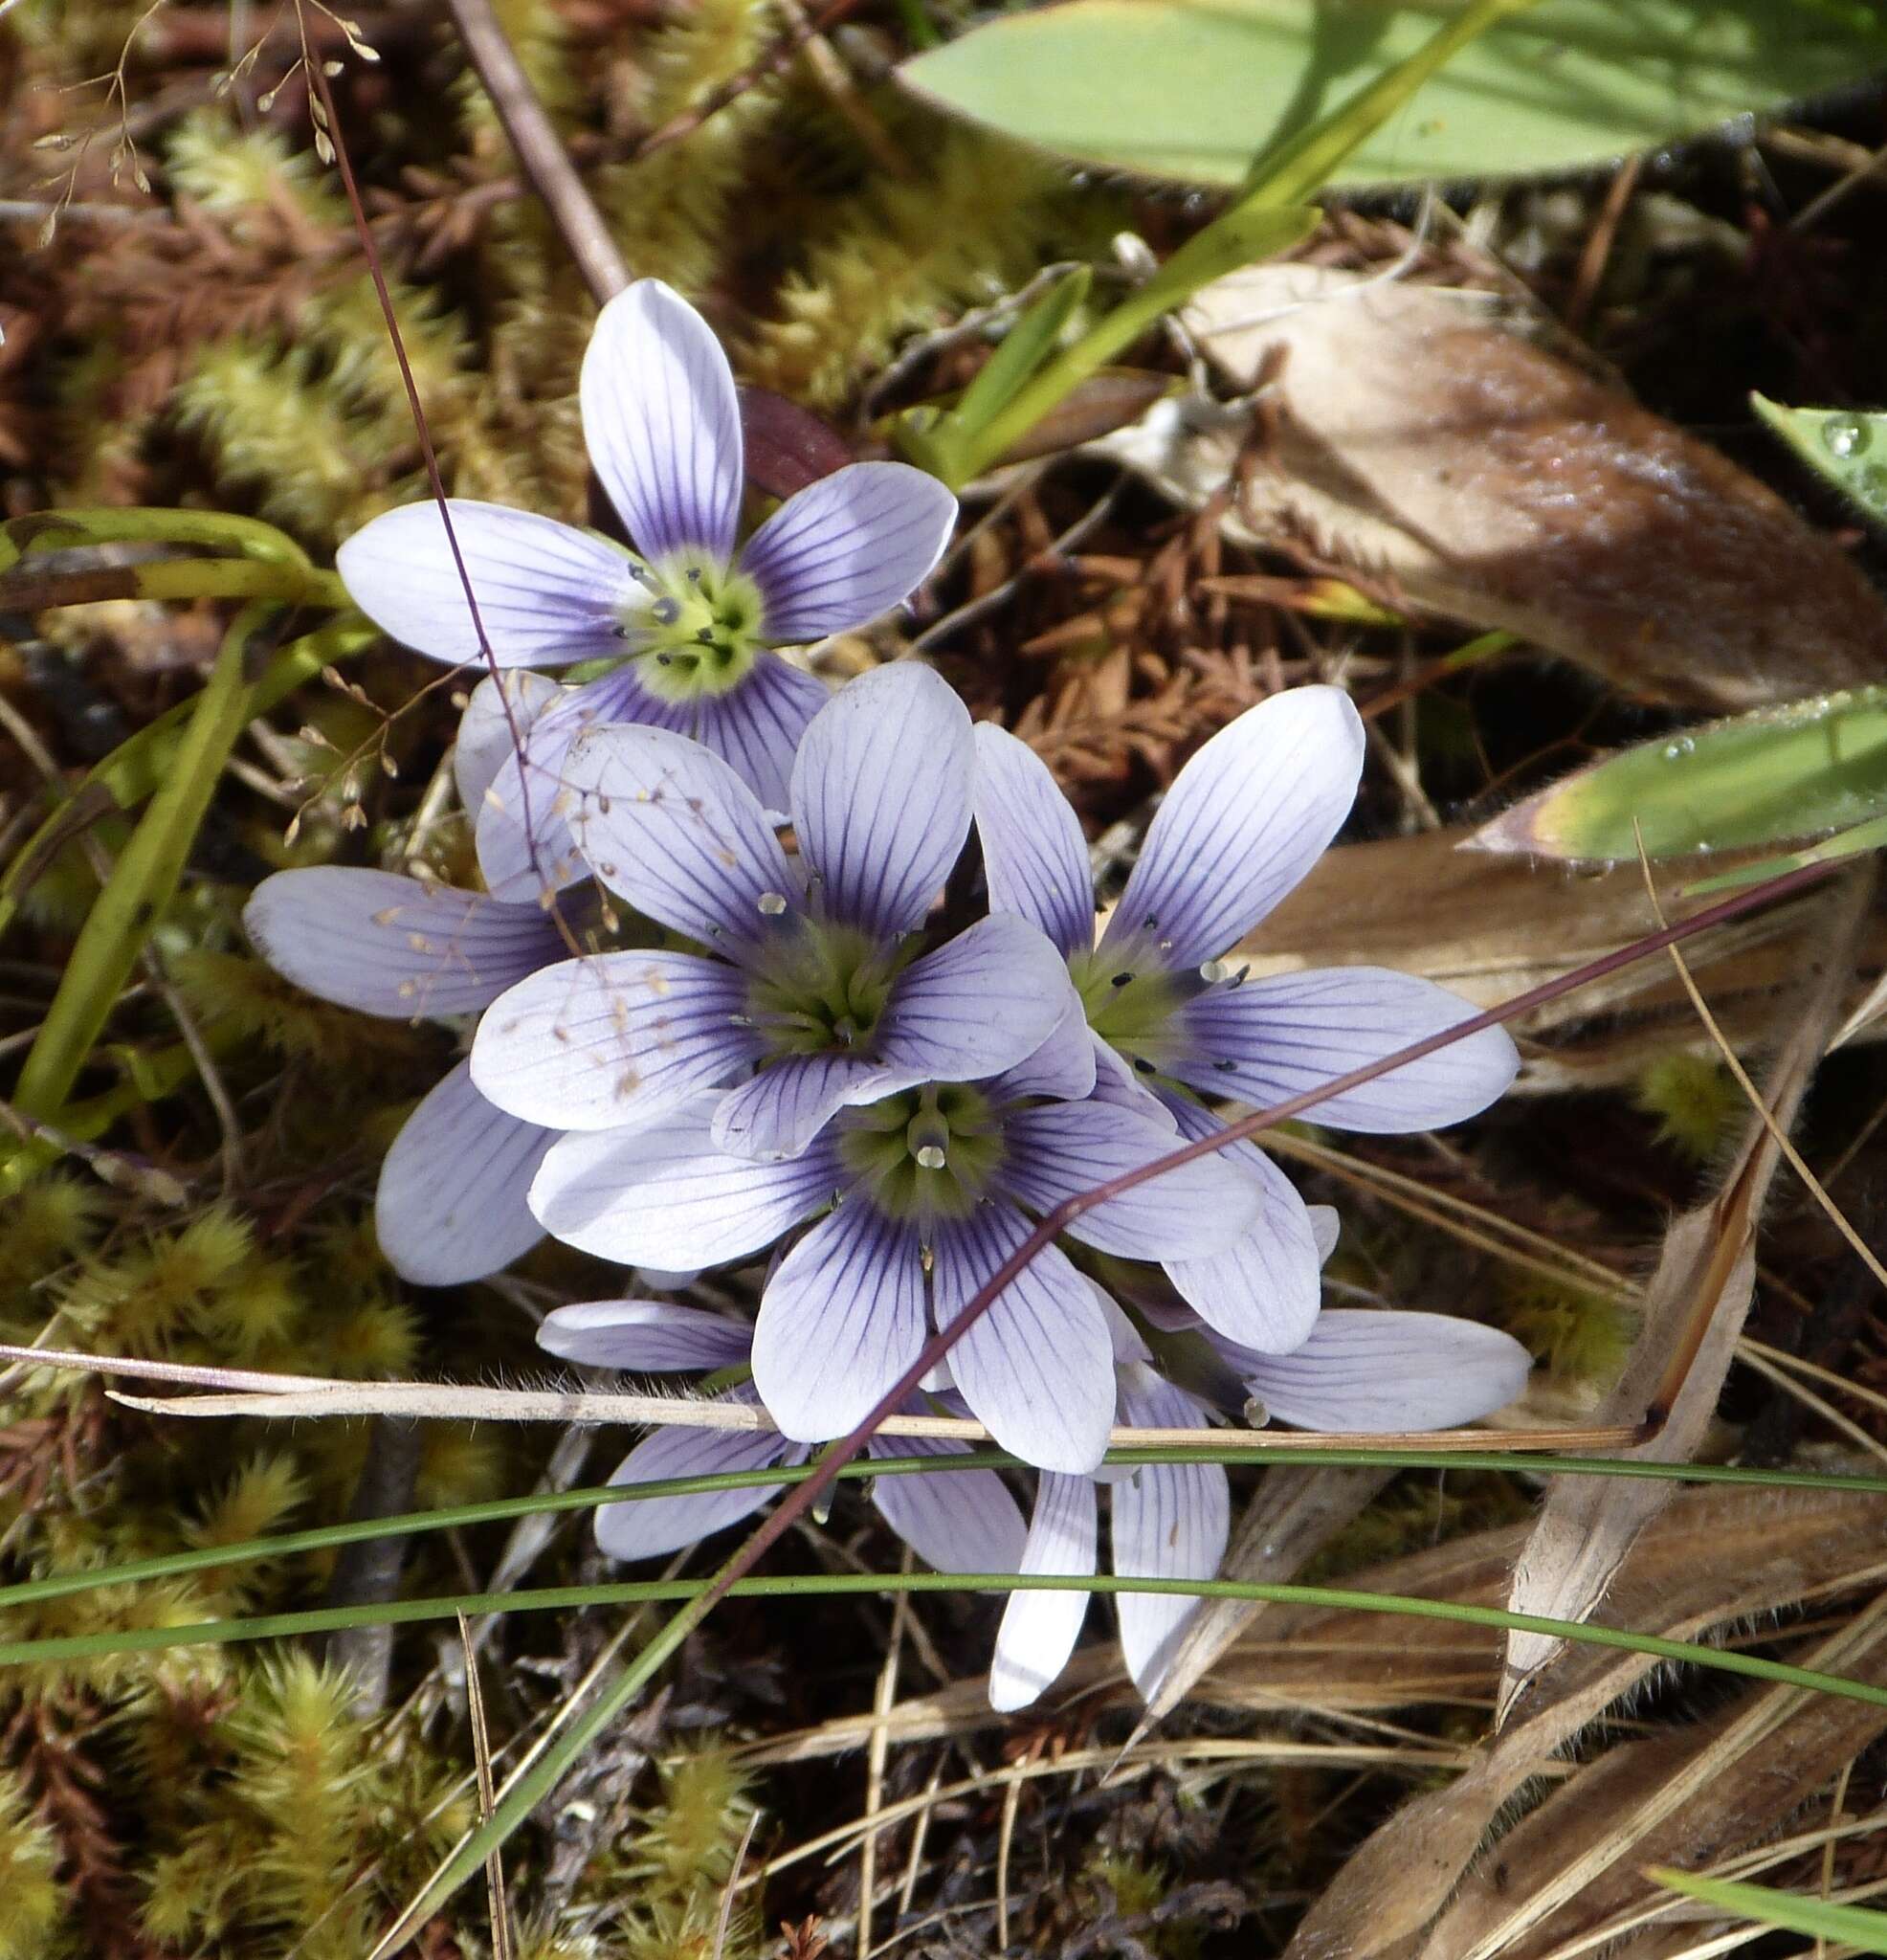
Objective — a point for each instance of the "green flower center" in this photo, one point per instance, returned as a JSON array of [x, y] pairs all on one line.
[[700, 627], [825, 988], [1131, 1011], [927, 1154]]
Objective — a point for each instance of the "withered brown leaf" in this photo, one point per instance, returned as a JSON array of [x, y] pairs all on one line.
[[1498, 485]]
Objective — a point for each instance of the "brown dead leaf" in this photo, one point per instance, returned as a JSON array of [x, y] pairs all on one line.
[[1494, 484], [1706, 1271], [1769, 1550], [1575, 1866]]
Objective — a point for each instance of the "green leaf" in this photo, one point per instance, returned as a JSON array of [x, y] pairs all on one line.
[[1195, 89], [1024, 349], [1844, 446], [1764, 778], [1848, 1925], [1236, 239], [1864, 836]]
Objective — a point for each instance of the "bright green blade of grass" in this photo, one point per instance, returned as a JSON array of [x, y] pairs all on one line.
[[503, 1511], [1847, 1925]]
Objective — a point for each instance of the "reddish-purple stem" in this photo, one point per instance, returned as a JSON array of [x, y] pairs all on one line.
[[805, 1496], [318, 77]]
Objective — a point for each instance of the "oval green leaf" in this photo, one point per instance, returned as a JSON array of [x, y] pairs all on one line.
[[1195, 90], [1781, 773]]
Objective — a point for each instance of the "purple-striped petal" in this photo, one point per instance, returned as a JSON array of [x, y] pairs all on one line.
[[958, 1520], [1380, 1371], [653, 1525], [1063, 1149], [548, 593], [1270, 1040], [645, 1336], [881, 796], [778, 1112], [537, 782], [500, 715], [1247, 818], [757, 726], [1263, 1289], [664, 1196], [1116, 1083], [612, 1039], [1038, 1367], [840, 1320], [392, 945], [980, 1003], [450, 1206], [1039, 1629], [674, 831], [1171, 1521], [1034, 859], [847, 548], [662, 423], [1063, 1066]]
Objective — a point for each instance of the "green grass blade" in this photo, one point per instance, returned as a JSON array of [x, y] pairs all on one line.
[[66, 530], [504, 1510], [142, 883], [135, 769], [1849, 1926], [851, 1585]]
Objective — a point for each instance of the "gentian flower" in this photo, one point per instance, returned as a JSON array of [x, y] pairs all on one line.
[[958, 1520], [815, 995], [685, 622], [919, 1198], [1360, 1370], [1242, 824], [451, 1203]]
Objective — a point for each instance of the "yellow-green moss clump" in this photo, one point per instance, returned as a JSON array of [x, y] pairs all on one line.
[[1694, 1100], [902, 254]]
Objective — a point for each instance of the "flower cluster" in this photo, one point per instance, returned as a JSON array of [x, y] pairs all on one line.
[[699, 1044]]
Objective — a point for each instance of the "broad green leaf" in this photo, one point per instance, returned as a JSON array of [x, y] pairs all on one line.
[[1195, 89], [1793, 771], [1845, 446], [1847, 1925]]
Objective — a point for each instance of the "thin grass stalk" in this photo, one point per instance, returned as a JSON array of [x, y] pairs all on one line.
[[855, 1585], [504, 1510]]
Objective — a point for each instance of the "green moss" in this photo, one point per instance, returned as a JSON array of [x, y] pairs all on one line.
[[1695, 1100], [32, 1901], [900, 253], [1582, 1338]]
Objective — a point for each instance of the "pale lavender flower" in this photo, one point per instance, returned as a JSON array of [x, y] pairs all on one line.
[[919, 1198], [451, 1204], [450, 1201], [685, 622], [816, 993], [958, 1520], [1363, 1371], [1242, 824]]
